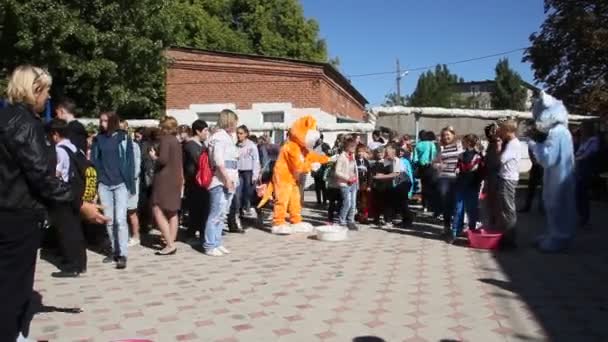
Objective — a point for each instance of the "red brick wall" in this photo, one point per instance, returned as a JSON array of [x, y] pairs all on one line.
[[204, 78]]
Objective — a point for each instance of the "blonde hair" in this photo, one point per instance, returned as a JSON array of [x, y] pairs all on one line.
[[227, 120], [449, 129], [168, 125], [509, 126], [25, 82]]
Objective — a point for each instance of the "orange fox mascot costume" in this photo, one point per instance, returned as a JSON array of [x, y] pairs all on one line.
[[296, 157]]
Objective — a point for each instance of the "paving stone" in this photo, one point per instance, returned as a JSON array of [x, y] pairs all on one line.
[[394, 286]]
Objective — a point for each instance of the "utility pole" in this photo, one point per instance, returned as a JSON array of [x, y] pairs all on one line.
[[398, 83]]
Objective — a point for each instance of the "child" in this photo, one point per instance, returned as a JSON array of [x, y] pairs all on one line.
[[396, 186], [363, 195], [347, 177], [424, 154], [468, 181], [378, 187], [404, 189]]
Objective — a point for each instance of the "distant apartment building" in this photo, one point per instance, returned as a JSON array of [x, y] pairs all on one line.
[[478, 94]]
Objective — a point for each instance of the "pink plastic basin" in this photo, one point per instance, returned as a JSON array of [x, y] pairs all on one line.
[[484, 238]]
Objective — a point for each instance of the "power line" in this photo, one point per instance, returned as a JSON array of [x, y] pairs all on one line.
[[432, 66]]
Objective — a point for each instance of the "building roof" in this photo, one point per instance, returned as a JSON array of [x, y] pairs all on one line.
[[523, 83], [328, 69]]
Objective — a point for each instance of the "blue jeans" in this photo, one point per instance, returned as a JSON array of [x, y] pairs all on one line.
[[446, 193], [467, 200], [349, 204], [114, 200], [219, 205], [244, 191]]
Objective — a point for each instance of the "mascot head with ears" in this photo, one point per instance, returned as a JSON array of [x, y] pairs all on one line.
[[549, 112], [304, 132]]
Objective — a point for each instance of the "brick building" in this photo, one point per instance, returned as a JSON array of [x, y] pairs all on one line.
[[264, 91]]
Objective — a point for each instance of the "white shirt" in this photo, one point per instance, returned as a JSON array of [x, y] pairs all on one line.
[[63, 159], [395, 164], [509, 160], [373, 145], [223, 151]]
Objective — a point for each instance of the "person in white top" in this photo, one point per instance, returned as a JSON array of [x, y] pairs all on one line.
[[508, 177], [223, 155], [348, 180]]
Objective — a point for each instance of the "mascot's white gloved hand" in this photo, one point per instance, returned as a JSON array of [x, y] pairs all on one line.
[[334, 158], [315, 167]]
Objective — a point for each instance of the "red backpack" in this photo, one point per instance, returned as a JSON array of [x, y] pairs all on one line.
[[205, 172]]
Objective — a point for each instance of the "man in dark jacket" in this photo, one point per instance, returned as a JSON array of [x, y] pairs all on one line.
[[65, 109]]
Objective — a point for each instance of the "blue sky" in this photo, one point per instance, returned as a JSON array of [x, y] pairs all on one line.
[[368, 35]]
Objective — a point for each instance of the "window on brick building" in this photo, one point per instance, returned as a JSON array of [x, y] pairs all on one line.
[[209, 118], [273, 117], [475, 90]]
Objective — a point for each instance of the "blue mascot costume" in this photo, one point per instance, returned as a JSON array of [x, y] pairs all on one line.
[[552, 146]]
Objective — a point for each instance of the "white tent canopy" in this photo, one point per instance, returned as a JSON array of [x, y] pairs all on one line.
[[436, 112]]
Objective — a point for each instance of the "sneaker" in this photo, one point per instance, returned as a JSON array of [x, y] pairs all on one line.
[[108, 259], [214, 252], [224, 250], [249, 213], [134, 242], [121, 263], [352, 226]]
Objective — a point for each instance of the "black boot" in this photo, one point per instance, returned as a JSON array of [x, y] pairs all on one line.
[[121, 263]]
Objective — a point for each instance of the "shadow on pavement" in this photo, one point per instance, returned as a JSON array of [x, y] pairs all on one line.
[[566, 293], [35, 306]]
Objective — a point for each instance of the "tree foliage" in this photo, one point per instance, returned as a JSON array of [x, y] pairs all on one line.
[[570, 53], [109, 54], [392, 99], [435, 89], [105, 54], [509, 92]]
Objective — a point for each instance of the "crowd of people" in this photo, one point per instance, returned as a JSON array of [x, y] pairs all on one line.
[[131, 180], [374, 183]]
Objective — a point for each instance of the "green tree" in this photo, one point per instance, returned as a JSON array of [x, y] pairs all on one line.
[[266, 27], [278, 28], [104, 54], [392, 99], [570, 53], [435, 89], [109, 54], [509, 92]]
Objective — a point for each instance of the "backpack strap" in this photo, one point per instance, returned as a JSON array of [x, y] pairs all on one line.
[[74, 163]]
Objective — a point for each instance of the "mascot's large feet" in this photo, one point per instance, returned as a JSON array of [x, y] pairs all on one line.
[[302, 227], [283, 229]]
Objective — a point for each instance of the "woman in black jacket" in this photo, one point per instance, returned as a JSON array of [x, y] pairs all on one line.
[[28, 186]]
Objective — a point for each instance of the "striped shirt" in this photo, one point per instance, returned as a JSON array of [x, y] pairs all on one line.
[[449, 159]]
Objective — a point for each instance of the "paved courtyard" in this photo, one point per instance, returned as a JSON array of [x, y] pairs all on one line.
[[380, 285]]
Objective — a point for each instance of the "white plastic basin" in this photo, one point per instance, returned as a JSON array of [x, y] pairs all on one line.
[[331, 233]]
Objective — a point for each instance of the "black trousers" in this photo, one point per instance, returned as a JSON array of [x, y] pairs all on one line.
[[320, 189], [429, 186], [197, 205], [399, 203], [534, 181], [72, 241], [334, 196], [19, 242]]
